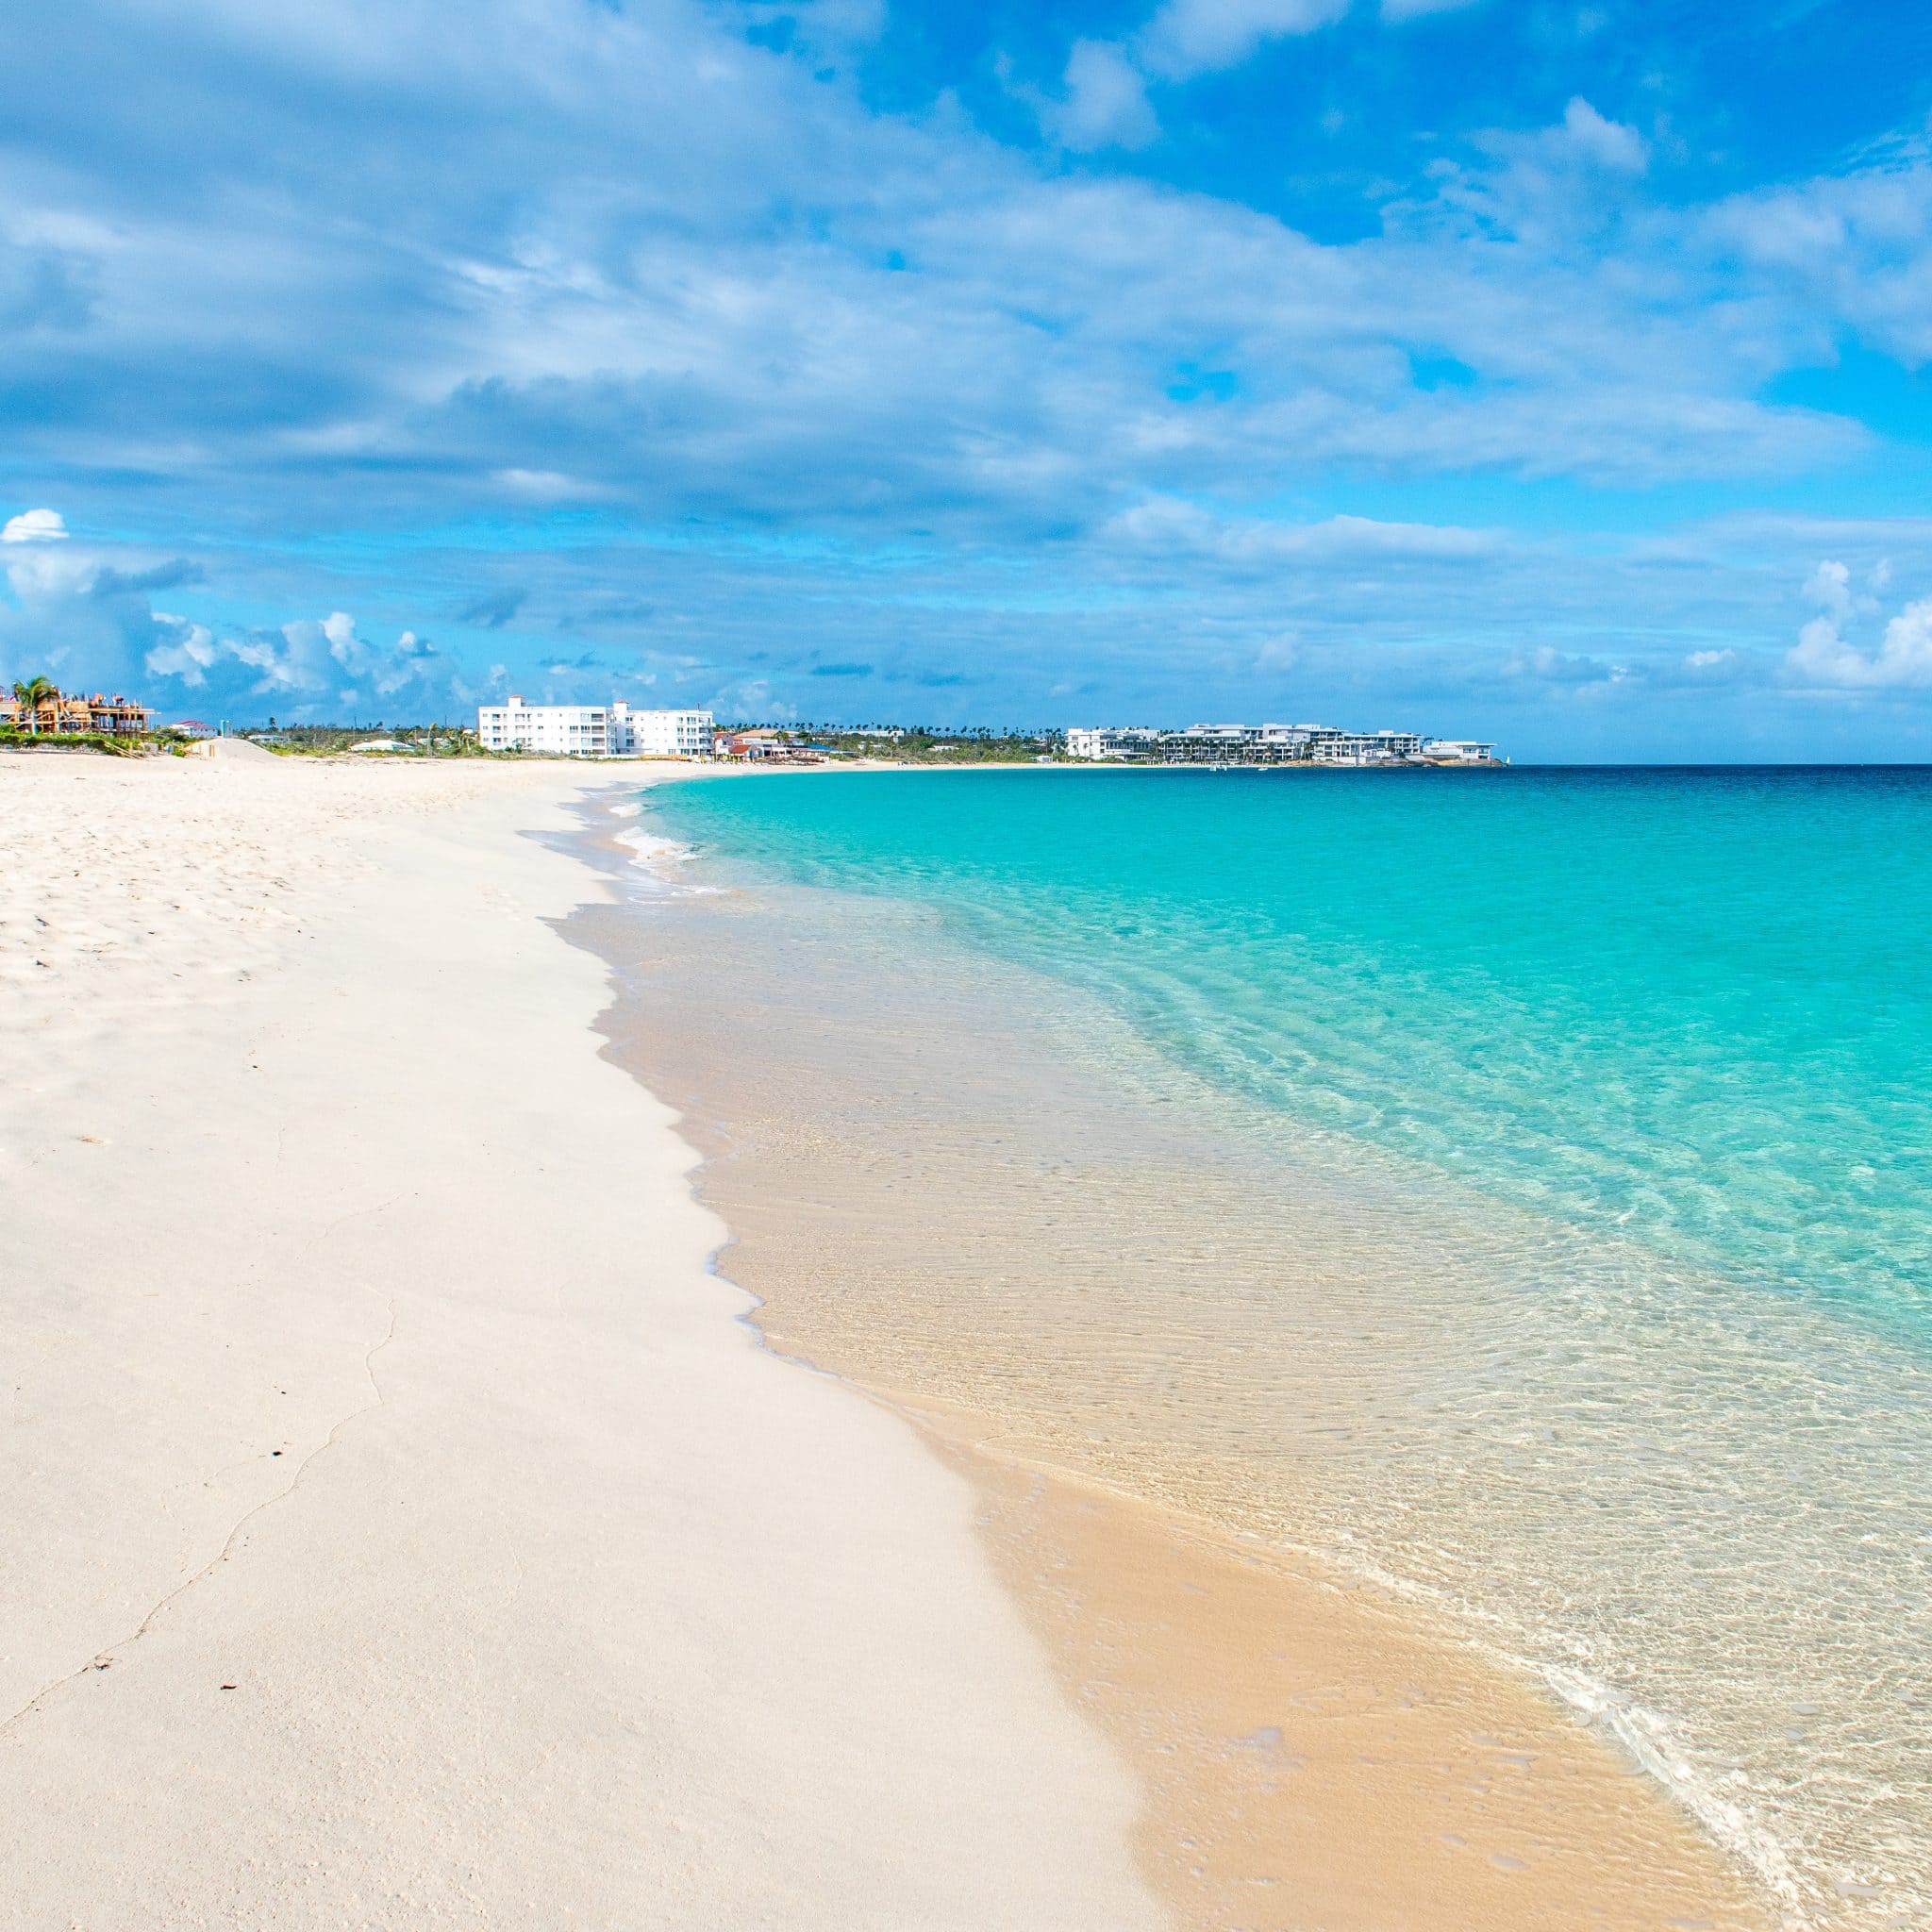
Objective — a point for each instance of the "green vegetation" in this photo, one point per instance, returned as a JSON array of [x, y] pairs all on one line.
[[32, 693], [321, 740], [11, 739], [923, 744]]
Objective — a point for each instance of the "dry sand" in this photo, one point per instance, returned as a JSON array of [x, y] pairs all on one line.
[[400, 1528]]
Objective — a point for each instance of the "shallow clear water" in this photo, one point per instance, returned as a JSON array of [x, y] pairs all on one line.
[[1546, 1231]]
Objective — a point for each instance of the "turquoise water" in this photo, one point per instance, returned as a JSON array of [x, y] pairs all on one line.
[[1616, 1086], [1695, 1007]]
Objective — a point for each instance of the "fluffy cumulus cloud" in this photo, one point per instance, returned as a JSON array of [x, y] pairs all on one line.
[[1190, 37], [1711, 663], [85, 615], [1826, 657], [33, 527], [1551, 665], [1106, 103], [1595, 138]]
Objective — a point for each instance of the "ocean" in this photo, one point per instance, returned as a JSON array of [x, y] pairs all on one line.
[[1511, 1185]]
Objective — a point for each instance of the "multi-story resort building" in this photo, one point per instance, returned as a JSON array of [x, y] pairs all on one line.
[[594, 731], [566, 730], [60, 715], [660, 734], [1271, 745]]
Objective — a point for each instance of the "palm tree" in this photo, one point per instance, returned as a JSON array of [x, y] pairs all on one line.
[[33, 694]]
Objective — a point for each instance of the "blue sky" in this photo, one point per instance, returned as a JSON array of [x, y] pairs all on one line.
[[1555, 372]]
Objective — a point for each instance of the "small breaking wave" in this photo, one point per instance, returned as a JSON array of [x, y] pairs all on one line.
[[1647, 1736], [658, 859]]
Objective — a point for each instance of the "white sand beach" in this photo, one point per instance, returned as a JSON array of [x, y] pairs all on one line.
[[401, 1528]]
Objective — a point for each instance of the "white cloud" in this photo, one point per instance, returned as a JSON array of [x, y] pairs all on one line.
[[1825, 658], [314, 655], [1410, 10], [184, 650], [1829, 587], [1168, 525], [546, 485], [307, 660], [33, 527], [1190, 37], [1854, 248], [1106, 103], [1609, 143], [1558, 192], [645, 328], [42, 574], [85, 615], [1549, 665]]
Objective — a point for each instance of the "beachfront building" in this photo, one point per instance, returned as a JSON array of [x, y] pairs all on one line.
[[1269, 744], [659, 733], [1364, 747], [579, 731], [767, 743], [119, 717], [1197, 744], [58, 714], [593, 731], [1118, 742]]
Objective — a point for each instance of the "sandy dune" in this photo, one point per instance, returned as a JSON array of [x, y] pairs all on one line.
[[400, 1530]]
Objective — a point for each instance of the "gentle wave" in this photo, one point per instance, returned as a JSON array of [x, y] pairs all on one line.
[[1587, 1123], [660, 861]]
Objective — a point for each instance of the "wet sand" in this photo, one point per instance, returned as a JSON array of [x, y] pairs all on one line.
[[1311, 1752]]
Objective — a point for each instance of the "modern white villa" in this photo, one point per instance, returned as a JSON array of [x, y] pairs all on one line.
[[1271, 745], [594, 731]]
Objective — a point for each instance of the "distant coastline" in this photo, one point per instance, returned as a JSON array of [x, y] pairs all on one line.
[[1273, 745]]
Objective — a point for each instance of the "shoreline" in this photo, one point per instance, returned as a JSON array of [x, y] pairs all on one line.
[[408, 1531], [1159, 1627]]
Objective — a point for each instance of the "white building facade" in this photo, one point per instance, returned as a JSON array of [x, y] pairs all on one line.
[[659, 733], [1269, 744], [1329, 747], [593, 731], [1118, 742], [580, 731], [1459, 750]]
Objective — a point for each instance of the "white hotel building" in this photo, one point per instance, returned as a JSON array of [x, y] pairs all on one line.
[[594, 731], [1271, 745]]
